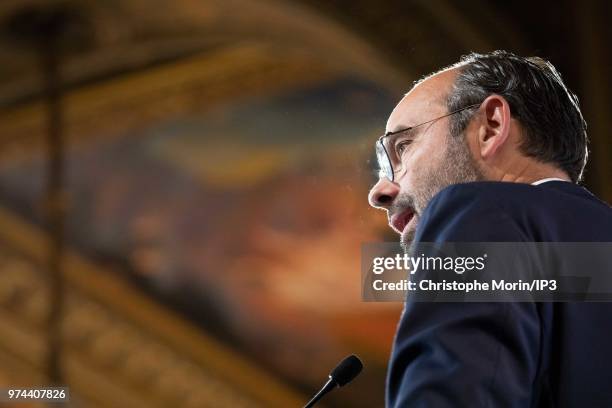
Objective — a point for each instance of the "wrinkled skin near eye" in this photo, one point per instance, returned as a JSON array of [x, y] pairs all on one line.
[[403, 142], [402, 146]]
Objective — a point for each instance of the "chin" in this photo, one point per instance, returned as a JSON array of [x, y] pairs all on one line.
[[407, 238]]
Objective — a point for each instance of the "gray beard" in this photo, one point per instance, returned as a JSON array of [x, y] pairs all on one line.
[[457, 166]]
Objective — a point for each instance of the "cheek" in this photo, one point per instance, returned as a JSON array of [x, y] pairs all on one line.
[[425, 157]]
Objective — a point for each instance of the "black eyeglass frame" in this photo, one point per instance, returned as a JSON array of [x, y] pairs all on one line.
[[381, 149]]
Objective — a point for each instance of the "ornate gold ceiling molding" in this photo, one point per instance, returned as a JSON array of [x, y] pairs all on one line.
[[132, 77], [136, 100], [119, 344]]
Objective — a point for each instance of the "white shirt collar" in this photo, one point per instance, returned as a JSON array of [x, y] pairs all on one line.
[[545, 180]]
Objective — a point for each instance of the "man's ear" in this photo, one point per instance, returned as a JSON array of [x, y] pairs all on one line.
[[496, 126]]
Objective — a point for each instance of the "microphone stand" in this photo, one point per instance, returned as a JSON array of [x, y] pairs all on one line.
[[329, 385]]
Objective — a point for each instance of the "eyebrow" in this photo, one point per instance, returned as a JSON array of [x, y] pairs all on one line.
[[401, 130], [431, 120]]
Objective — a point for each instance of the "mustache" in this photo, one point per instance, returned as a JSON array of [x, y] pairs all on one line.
[[401, 203]]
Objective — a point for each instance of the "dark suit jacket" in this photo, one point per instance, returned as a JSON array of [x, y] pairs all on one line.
[[506, 354]]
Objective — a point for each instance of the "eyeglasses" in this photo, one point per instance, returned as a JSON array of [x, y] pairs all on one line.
[[389, 149]]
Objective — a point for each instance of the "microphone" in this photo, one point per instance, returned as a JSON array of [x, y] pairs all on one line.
[[344, 373]]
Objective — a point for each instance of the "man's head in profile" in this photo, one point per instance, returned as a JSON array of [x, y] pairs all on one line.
[[490, 117]]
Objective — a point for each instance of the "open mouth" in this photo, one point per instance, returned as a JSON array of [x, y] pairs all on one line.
[[398, 222]]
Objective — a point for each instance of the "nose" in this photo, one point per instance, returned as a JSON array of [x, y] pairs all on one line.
[[383, 193]]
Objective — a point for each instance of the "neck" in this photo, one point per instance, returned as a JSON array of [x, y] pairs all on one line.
[[532, 172]]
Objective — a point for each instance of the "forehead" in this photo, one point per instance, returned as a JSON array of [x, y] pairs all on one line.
[[424, 101]]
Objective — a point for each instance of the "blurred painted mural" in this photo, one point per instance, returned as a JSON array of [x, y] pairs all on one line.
[[222, 174], [247, 218]]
